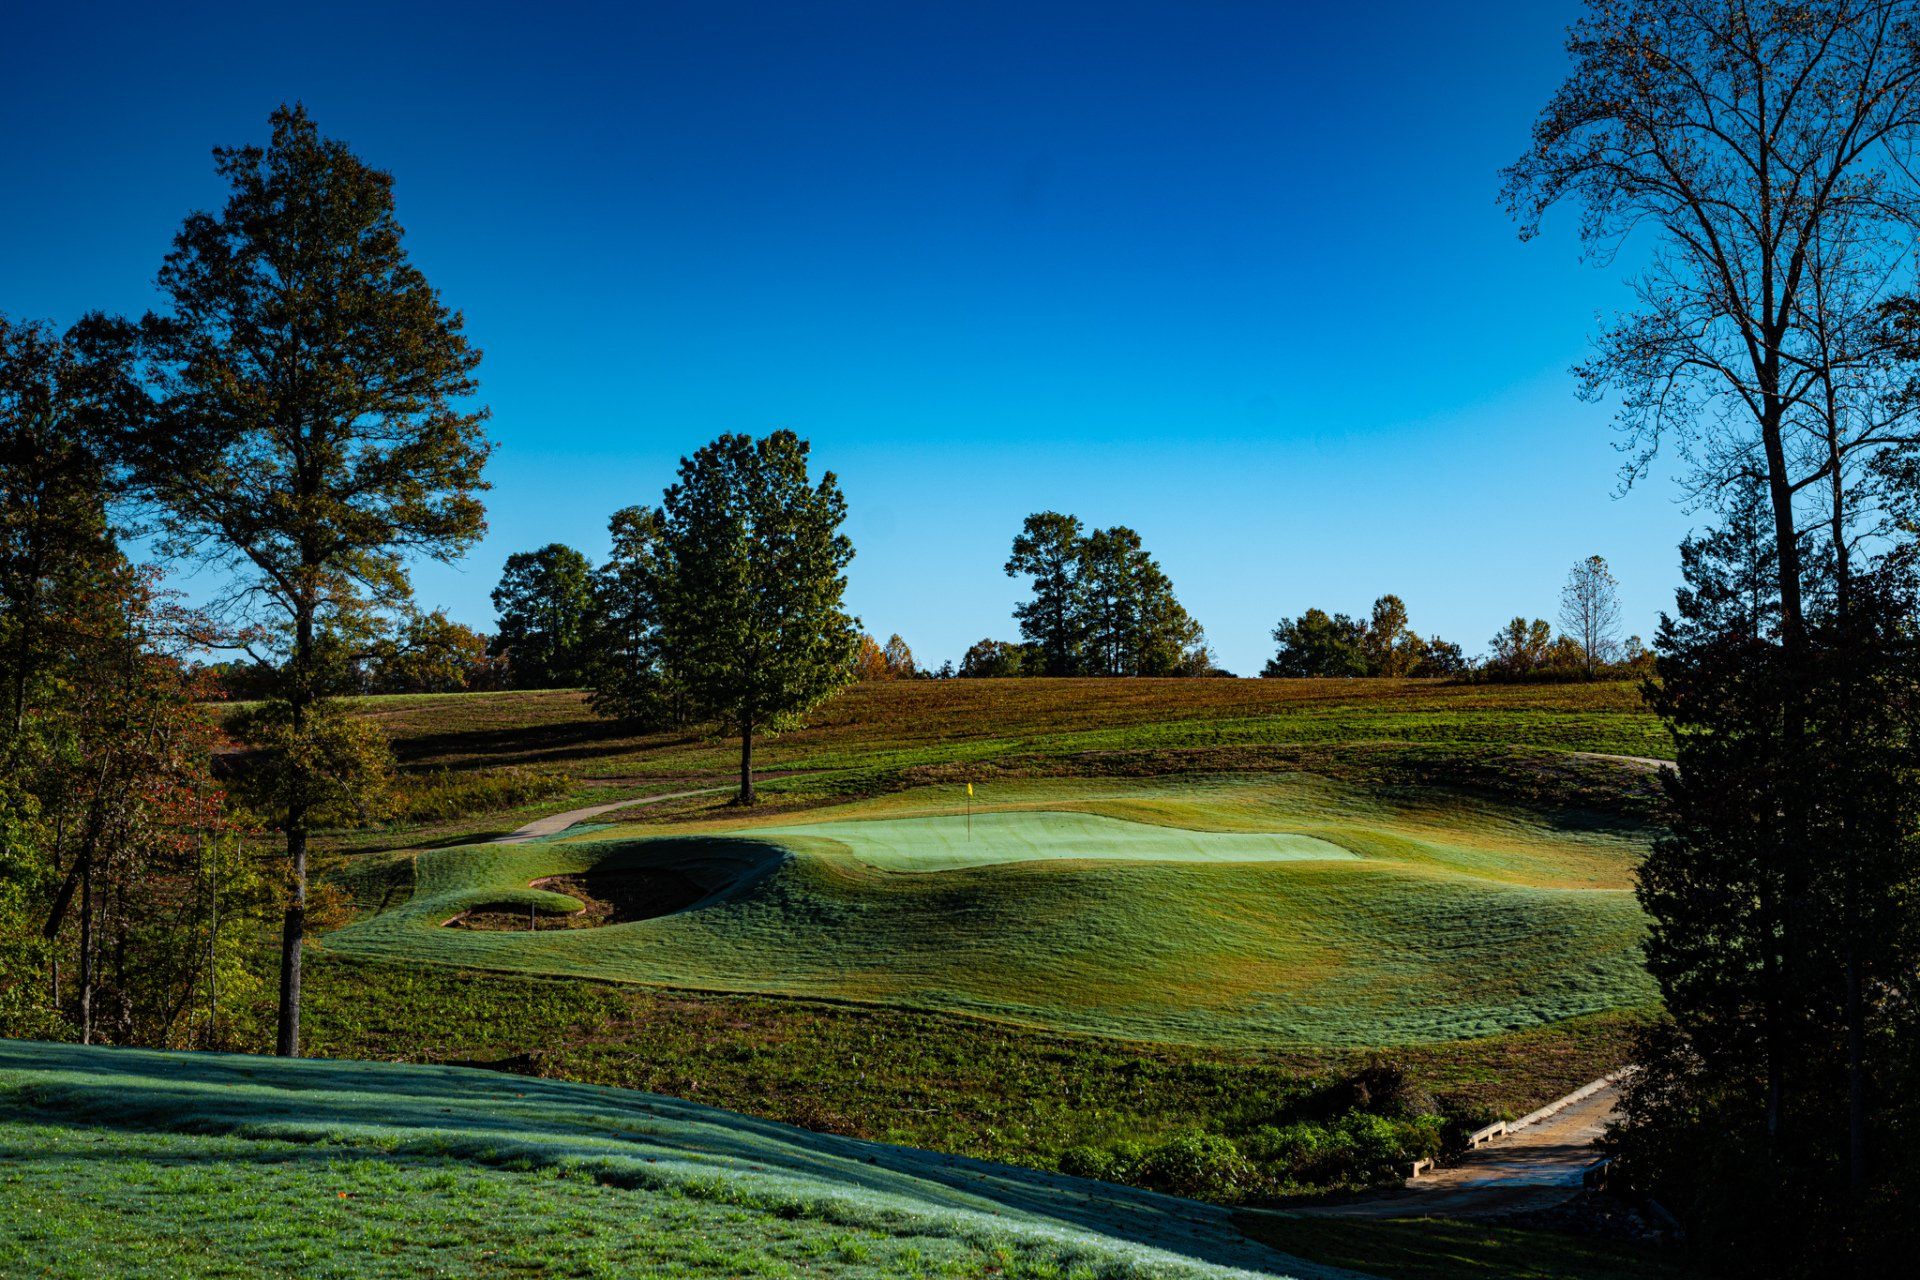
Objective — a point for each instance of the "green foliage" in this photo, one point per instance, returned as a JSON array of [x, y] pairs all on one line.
[[1319, 645], [1101, 605], [333, 768], [311, 430], [999, 659], [733, 593], [1783, 933], [1391, 647], [631, 677], [546, 607], [432, 654], [1047, 550], [1380, 645], [314, 490]]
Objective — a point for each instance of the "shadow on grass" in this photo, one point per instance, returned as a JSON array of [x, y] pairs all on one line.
[[635, 1140]]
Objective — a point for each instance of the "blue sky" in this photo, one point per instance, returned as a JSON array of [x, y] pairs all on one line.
[[1232, 274]]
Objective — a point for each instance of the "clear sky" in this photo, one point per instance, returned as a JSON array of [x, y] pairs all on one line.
[[1233, 274]]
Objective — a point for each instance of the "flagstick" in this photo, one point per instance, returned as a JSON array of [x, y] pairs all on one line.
[[969, 813]]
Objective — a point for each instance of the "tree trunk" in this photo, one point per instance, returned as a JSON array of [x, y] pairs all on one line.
[[1793, 643], [746, 760], [1850, 905], [86, 953], [293, 931], [293, 935]]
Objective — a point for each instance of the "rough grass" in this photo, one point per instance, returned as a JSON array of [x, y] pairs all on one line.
[[940, 1082], [1452, 919], [903, 724], [131, 1163], [1439, 1249]]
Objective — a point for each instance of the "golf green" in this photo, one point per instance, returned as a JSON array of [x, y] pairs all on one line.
[[986, 839], [1313, 915]]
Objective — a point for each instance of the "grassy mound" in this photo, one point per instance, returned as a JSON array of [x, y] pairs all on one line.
[[136, 1163], [1244, 911]]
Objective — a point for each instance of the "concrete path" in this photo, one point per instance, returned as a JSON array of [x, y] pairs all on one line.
[[554, 824], [1639, 762], [1534, 1166]]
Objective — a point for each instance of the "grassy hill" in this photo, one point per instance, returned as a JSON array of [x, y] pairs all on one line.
[[1239, 910], [133, 1164], [903, 724], [1189, 912]]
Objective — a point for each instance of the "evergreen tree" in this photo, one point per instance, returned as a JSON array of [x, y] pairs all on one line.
[[747, 570], [545, 602], [312, 428], [1049, 550]]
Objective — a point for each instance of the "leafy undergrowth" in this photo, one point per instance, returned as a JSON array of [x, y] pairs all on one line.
[[1440, 1249], [1221, 1125], [134, 1163]]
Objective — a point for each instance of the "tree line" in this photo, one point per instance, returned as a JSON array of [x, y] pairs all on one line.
[[301, 416]]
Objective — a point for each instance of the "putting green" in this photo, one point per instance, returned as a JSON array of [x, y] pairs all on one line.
[[1311, 915], [948, 843]]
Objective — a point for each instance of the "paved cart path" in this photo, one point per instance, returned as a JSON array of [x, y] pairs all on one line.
[[1533, 1167], [554, 824]]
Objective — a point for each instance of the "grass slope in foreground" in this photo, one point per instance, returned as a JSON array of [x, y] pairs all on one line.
[[134, 1163], [1251, 911]]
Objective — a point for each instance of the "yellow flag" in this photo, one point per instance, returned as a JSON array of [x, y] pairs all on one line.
[[969, 788]]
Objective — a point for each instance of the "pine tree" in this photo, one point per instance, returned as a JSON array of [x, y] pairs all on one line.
[[311, 429]]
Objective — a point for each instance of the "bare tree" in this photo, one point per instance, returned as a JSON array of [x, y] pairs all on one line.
[[1768, 147], [1590, 611]]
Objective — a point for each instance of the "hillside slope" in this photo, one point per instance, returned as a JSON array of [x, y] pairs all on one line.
[[134, 1163], [1250, 910]]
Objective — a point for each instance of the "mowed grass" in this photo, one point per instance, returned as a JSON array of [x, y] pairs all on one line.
[[896, 725], [1165, 910], [133, 1163]]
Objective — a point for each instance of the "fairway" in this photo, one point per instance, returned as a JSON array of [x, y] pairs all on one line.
[[1251, 912]]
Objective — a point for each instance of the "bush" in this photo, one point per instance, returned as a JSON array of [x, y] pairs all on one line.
[[1204, 1166]]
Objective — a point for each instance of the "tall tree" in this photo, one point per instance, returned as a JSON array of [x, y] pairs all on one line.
[[546, 607], [59, 408], [1760, 144], [1049, 551], [1590, 612], [1768, 146], [753, 576], [312, 429]]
